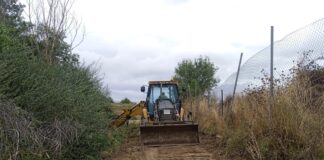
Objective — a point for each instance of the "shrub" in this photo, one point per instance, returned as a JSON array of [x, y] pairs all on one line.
[[294, 130], [60, 109], [125, 101]]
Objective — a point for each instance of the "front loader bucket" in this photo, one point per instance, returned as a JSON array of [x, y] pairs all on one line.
[[169, 134]]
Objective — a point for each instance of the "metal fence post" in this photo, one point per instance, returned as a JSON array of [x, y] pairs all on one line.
[[222, 103], [237, 74], [271, 73]]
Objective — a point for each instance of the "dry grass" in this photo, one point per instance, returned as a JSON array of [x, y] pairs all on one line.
[[20, 136], [294, 130], [209, 119]]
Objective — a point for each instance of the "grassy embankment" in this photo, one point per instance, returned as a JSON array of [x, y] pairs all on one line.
[[51, 111], [294, 130]]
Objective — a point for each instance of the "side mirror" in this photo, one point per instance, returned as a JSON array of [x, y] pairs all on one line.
[[143, 89]]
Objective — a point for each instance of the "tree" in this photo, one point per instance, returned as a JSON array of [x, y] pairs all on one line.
[[11, 13], [55, 30], [125, 101], [195, 77]]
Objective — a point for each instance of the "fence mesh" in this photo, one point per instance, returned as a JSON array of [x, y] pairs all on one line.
[[287, 52]]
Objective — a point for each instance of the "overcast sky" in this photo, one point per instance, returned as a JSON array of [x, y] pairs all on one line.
[[135, 41]]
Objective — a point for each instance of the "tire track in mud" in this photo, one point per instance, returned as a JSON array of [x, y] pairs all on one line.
[[208, 149]]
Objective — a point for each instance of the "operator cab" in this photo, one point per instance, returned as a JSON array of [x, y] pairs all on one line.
[[163, 100]]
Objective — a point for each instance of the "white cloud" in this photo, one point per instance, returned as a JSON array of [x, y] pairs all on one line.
[[143, 40]]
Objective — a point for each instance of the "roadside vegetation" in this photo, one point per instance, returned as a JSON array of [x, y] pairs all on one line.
[[125, 101], [51, 105], [195, 77], [293, 130]]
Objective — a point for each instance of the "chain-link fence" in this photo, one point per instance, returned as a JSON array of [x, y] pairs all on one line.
[[287, 52]]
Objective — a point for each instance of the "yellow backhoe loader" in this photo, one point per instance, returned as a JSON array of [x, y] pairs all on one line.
[[162, 116]]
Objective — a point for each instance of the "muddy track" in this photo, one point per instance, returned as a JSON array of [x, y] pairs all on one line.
[[208, 149]]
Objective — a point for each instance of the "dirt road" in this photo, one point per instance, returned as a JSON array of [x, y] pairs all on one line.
[[207, 150]]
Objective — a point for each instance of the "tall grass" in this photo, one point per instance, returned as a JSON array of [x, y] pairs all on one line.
[[293, 130]]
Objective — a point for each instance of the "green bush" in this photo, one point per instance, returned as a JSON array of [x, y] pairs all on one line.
[[64, 103], [125, 101]]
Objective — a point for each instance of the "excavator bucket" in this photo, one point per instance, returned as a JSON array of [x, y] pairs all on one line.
[[159, 134]]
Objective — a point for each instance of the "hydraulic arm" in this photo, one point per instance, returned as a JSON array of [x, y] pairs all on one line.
[[136, 110]]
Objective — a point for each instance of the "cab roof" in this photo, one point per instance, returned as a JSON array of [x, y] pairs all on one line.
[[163, 82]]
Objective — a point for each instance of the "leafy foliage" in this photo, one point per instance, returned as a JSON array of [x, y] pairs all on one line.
[[196, 76], [125, 101], [49, 110], [50, 45], [11, 13]]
